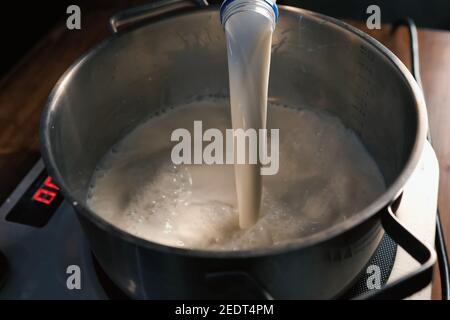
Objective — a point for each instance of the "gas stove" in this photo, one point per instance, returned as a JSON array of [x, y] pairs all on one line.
[[44, 245]]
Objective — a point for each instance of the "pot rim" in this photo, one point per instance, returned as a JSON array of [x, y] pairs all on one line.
[[323, 236]]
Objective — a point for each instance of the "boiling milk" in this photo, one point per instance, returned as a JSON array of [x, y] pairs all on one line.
[[325, 176]]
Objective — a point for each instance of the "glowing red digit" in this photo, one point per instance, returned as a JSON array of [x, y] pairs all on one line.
[[49, 183], [44, 196]]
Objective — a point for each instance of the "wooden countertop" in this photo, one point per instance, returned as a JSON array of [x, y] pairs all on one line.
[[24, 90]]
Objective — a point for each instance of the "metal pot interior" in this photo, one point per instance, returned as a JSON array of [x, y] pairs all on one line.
[[315, 63]]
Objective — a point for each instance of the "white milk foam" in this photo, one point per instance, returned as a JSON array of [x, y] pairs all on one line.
[[325, 176]]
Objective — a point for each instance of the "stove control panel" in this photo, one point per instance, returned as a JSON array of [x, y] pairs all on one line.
[[35, 199]]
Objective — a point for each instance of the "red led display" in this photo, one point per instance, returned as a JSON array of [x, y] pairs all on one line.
[[44, 196], [47, 192], [49, 183], [38, 203]]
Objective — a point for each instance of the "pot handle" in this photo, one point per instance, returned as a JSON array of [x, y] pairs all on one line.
[[399, 289], [152, 10], [422, 253]]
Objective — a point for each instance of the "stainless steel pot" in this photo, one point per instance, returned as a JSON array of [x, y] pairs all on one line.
[[171, 57]]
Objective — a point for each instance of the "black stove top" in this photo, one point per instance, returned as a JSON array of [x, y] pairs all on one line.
[[46, 255]]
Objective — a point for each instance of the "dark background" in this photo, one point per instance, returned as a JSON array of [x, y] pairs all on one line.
[[22, 23]]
